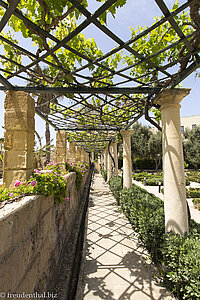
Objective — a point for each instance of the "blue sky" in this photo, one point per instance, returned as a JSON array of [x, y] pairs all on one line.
[[135, 12]]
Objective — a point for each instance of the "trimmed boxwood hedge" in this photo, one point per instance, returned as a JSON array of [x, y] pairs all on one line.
[[104, 174], [193, 193], [177, 256], [152, 178], [116, 187], [196, 202]]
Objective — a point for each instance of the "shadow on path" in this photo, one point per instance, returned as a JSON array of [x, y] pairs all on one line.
[[117, 266]]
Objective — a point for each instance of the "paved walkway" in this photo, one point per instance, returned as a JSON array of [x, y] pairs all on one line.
[[195, 213], [117, 266]]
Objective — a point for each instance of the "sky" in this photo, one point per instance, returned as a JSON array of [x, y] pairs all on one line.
[[137, 12]]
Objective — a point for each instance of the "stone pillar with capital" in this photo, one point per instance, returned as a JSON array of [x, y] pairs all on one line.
[[85, 156], [18, 138], [61, 141], [78, 154], [72, 152], [92, 156], [82, 155], [115, 158], [109, 164], [176, 215], [127, 163], [105, 159]]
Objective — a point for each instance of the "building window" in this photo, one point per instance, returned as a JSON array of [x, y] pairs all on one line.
[[182, 129], [194, 126]]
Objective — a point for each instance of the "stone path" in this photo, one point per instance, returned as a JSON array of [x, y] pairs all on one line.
[[117, 266]]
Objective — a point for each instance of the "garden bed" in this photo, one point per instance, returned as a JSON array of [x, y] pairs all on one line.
[[152, 179], [51, 180], [176, 256], [193, 176]]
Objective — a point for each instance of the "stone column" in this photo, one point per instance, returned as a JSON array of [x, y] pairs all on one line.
[[99, 161], [105, 159], [78, 154], [82, 155], [92, 158], [19, 137], [127, 163], [85, 156], [176, 216], [72, 152], [61, 140], [109, 164], [115, 158]]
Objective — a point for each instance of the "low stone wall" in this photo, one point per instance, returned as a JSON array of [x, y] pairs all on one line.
[[32, 234]]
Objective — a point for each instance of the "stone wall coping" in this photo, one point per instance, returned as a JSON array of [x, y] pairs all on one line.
[[12, 207]]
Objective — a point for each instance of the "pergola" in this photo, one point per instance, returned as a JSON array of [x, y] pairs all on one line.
[[94, 100]]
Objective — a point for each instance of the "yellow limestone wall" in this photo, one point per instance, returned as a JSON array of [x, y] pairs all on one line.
[[19, 137], [32, 235]]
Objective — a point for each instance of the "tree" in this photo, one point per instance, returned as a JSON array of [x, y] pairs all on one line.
[[155, 148], [192, 146], [139, 141]]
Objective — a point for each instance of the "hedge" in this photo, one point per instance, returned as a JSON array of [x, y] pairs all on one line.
[[177, 257], [152, 179], [143, 164], [104, 174], [193, 193], [196, 202]]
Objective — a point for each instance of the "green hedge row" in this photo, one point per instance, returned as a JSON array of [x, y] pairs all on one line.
[[152, 179], [194, 176], [196, 202], [178, 256], [144, 164], [104, 174], [193, 193]]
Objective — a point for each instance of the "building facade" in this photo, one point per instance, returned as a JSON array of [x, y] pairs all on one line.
[[186, 122], [190, 122]]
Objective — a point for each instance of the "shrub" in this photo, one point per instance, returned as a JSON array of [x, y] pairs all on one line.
[[196, 202], [193, 176], [146, 214], [193, 193], [181, 257], [152, 178], [104, 174], [154, 181], [178, 256], [144, 164], [79, 169], [140, 176], [51, 183], [116, 186]]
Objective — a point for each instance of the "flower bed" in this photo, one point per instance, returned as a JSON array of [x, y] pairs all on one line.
[[49, 181], [79, 169], [177, 256]]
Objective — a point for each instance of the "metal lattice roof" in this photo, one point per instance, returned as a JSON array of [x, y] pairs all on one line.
[[93, 96]]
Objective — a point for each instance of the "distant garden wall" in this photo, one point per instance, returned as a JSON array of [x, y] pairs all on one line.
[[33, 232]]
